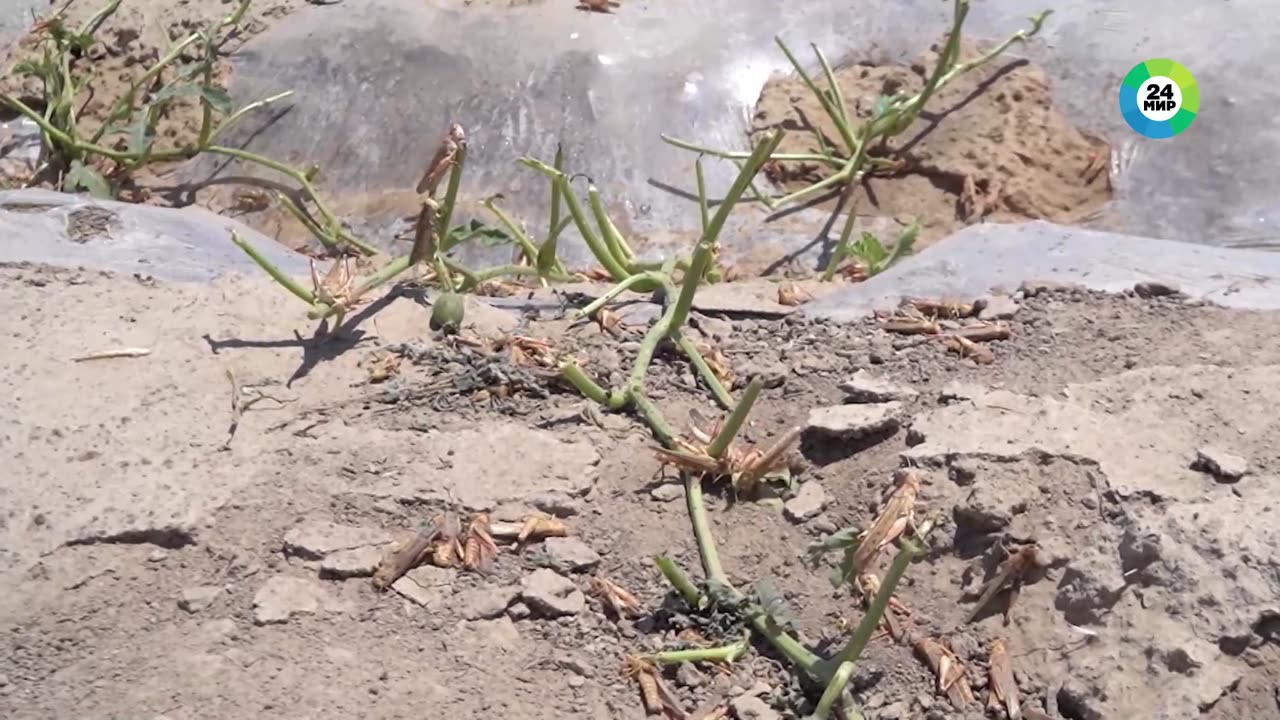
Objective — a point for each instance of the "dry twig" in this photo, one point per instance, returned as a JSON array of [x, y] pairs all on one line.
[[115, 353]]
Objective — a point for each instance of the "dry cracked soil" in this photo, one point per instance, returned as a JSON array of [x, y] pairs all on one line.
[[157, 566]]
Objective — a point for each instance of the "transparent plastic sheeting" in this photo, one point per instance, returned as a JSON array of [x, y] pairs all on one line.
[[980, 257], [376, 82]]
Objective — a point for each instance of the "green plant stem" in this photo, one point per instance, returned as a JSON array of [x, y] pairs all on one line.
[[703, 212], [718, 390], [589, 236], [841, 252], [680, 581], [798, 654], [657, 423], [475, 277], [583, 383], [303, 178], [834, 690], [613, 240], [734, 422], [616, 290], [724, 654], [837, 95], [521, 238], [276, 273], [908, 550], [743, 155], [836, 115]]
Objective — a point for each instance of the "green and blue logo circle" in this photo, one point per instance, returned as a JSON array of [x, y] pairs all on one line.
[[1159, 98]]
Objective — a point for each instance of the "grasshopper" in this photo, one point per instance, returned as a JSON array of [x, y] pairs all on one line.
[[1012, 572], [898, 512], [1004, 691]]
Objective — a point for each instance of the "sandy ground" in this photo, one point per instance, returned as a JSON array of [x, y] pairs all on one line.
[[990, 146], [156, 570]]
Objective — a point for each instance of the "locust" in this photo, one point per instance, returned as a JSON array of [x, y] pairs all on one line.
[[1004, 691], [869, 584], [479, 549], [743, 465], [898, 512], [454, 140], [952, 680], [405, 557], [1012, 572], [615, 598]]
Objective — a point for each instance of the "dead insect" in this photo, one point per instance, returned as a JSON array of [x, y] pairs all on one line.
[[952, 681], [717, 363], [898, 512], [384, 368], [615, 599], [869, 584], [445, 157], [984, 332], [791, 294], [424, 233], [948, 309], [600, 6], [404, 557], [966, 348], [478, 549], [447, 550], [743, 465], [646, 676], [1004, 691], [249, 199], [610, 322], [910, 326]]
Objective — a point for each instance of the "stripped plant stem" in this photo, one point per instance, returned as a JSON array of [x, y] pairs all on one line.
[[676, 307], [723, 654]]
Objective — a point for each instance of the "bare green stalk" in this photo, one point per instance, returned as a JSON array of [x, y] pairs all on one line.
[[734, 422], [722, 654], [618, 289], [833, 692], [276, 273], [584, 384], [680, 581], [909, 548], [722, 396]]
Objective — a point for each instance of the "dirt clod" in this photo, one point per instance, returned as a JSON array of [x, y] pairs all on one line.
[[1223, 466], [551, 594], [864, 387], [808, 503], [854, 421]]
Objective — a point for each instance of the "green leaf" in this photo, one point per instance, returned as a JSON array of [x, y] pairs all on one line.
[[882, 105], [906, 242], [217, 98], [82, 177], [174, 90], [139, 137], [488, 235], [28, 67], [870, 252]]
